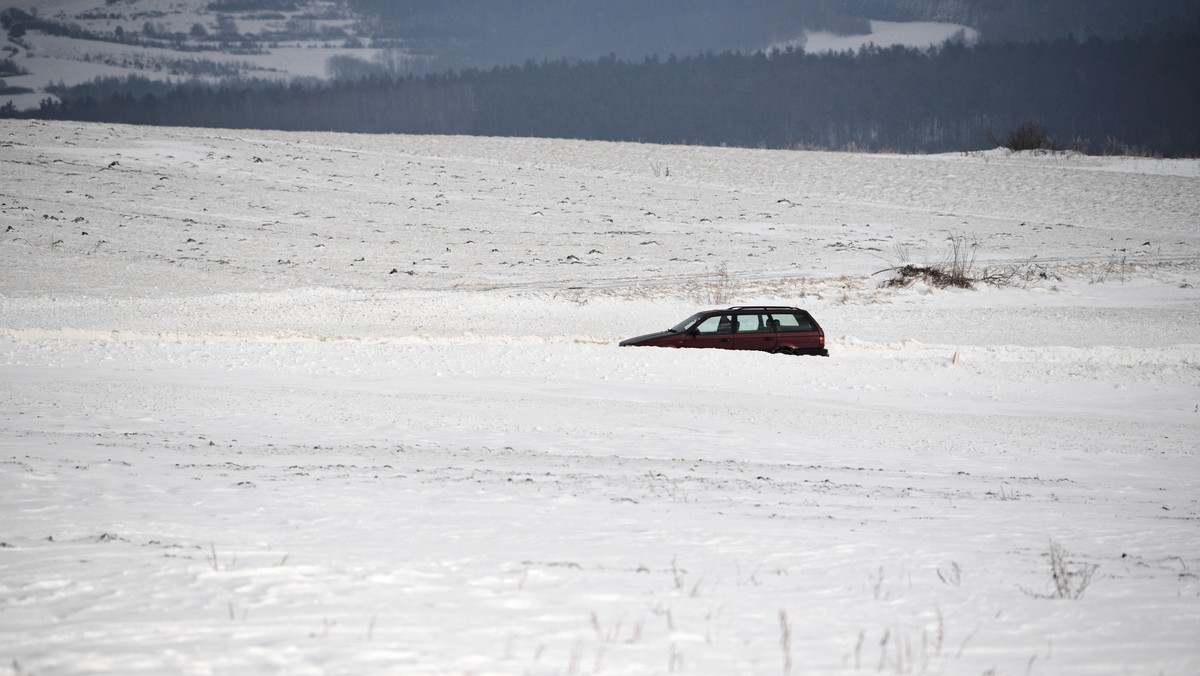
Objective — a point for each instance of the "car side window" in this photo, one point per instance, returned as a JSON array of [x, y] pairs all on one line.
[[717, 324], [792, 322], [753, 324]]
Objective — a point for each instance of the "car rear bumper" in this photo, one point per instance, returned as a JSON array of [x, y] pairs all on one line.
[[813, 351]]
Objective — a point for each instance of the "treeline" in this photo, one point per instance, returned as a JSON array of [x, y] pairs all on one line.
[[462, 33], [466, 33], [1143, 93], [1026, 20]]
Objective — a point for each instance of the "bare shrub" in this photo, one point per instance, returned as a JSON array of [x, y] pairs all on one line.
[[1068, 579], [952, 577], [1069, 582], [717, 289], [958, 269], [954, 270], [1030, 135], [1105, 271], [960, 260], [931, 275], [1025, 272], [1113, 146]]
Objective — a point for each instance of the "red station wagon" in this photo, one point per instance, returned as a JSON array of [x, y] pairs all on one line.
[[769, 328]]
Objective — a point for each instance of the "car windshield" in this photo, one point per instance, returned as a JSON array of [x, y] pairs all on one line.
[[683, 325]]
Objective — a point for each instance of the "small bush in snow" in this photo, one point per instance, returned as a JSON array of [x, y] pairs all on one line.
[[1114, 146], [955, 270], [716, 289], [1030, 135], [1068, 580]]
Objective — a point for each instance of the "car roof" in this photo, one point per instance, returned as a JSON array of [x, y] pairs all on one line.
[[741, 308]]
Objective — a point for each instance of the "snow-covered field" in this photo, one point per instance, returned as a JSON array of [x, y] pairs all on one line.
[[316, 403]]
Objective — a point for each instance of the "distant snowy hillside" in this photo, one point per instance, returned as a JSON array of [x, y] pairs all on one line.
[[177, 40], [71, 42], [884, 34], [68, 42]]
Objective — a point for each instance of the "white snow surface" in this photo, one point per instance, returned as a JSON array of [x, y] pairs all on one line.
[[232, 440]]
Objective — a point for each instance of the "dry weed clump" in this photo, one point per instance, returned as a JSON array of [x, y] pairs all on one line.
[[957, 269], [932, 275], [1068, 579], [954, 271]]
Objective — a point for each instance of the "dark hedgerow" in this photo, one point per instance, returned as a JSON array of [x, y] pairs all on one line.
[[1030, 135]]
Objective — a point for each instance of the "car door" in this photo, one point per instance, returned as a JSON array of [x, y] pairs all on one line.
[[754, 333], [716, 331]]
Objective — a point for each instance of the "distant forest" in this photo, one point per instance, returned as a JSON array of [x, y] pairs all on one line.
[[480, 33], [1096, 94]]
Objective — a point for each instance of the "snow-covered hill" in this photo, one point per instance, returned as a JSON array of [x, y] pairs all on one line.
[[177, 41], [315, 403], [183, 40]]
